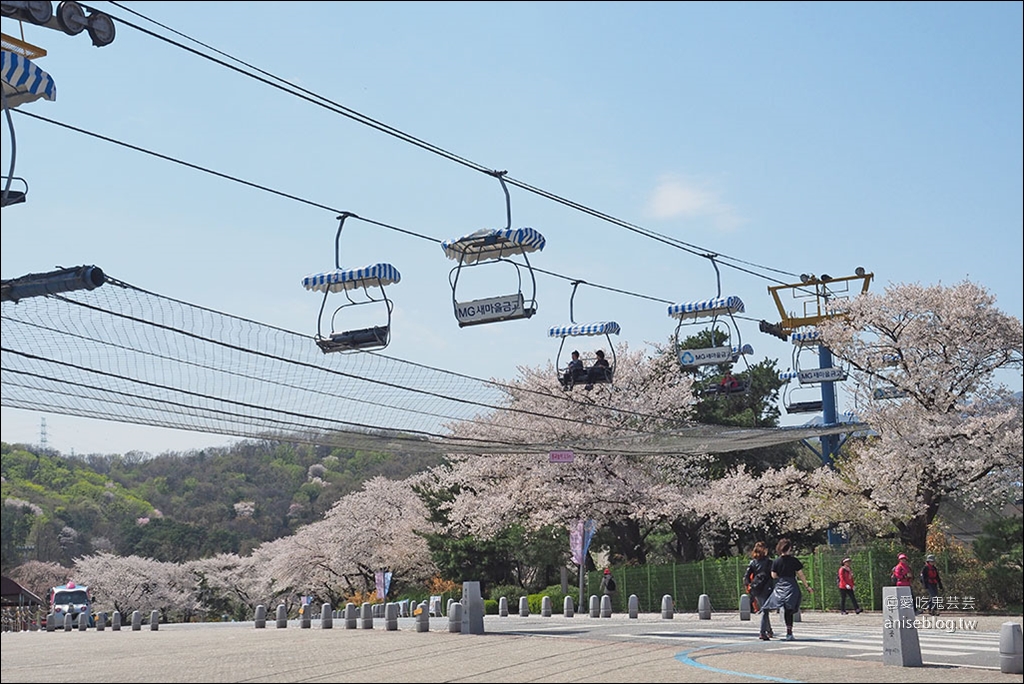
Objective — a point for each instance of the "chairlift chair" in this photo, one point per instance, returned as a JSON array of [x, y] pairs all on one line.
[[791, 404], [591, 374], [361, 287], [717, 314], [21, 82], [487, 246], [806, 344]]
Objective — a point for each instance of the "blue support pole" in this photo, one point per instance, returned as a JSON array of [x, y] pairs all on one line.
[[829, 443]]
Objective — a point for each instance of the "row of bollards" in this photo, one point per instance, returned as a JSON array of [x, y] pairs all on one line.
[[100, 622], [467, 617]]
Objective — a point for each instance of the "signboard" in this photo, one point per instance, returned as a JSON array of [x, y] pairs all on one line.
[[816, 375], [705, 357], [490, 309], [560, 457]]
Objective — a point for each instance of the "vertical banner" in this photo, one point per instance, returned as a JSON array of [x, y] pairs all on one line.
[[580, 535], [383, 581]]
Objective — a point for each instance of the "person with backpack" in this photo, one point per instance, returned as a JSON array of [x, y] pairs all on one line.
[[845, 582], [608, 585], [932, 583], [904, 576], [757, 580]]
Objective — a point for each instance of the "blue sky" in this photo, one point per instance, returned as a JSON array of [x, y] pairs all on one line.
[[796, 137]]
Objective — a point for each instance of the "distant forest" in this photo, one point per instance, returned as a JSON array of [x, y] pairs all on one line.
[[176, 506]]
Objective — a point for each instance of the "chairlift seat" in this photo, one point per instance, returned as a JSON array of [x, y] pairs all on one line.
[[13, 196], [888, 393], [804, 407], [718, 389], [363, 338]]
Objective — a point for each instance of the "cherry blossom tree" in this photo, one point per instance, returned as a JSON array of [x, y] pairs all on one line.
[[39, 576], [633, 492], [378, 527], [127, 583], [924, 362]]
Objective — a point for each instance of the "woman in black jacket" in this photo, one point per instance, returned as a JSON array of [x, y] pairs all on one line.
[[758, 581], [786, 570]]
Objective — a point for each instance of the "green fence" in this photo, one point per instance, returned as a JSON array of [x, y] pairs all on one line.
[[722, 580]]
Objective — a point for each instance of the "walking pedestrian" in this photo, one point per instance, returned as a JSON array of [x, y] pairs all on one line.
[[786, 570], [846, 588], [903, 576], [932, 583], [758, 582]]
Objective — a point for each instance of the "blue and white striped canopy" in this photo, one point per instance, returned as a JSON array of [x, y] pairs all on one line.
[[805, 338], [23, 81], [338, 280], [706, 307], [493, 243], [580, 329]]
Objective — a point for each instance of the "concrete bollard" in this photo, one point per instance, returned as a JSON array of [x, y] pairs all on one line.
[[305, 620], [451, 602], [350, 615], [503, 607], [83, 621], [745, 607], [1011, 648], [326, 616], [154, 620], [545, 606], [390, 617], [567, 607], [366, 616], [67, 622], [606, 606], [704, 607], [900, 642], [115, 621], [455, 617], [282, 616], [634, 606], [524, 607], [136, 621], [101, 621], [796, 615], [472, 608], [261, 616], [595, 606], [423, 618]]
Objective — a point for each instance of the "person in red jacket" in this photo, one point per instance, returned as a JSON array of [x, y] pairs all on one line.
[[904, 576], [846, 588]]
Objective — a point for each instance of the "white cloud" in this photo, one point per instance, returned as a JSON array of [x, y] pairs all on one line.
[[675, 197]]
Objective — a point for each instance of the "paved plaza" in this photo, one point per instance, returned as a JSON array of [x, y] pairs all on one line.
[[649, 648]]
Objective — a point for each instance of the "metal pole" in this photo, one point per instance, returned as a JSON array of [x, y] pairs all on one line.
[[580, 606]]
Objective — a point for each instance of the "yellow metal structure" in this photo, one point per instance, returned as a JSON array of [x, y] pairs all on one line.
[[12, 44], [817, 297]]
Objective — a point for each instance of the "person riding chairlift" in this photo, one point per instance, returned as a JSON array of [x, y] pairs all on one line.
[[599, 372]]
